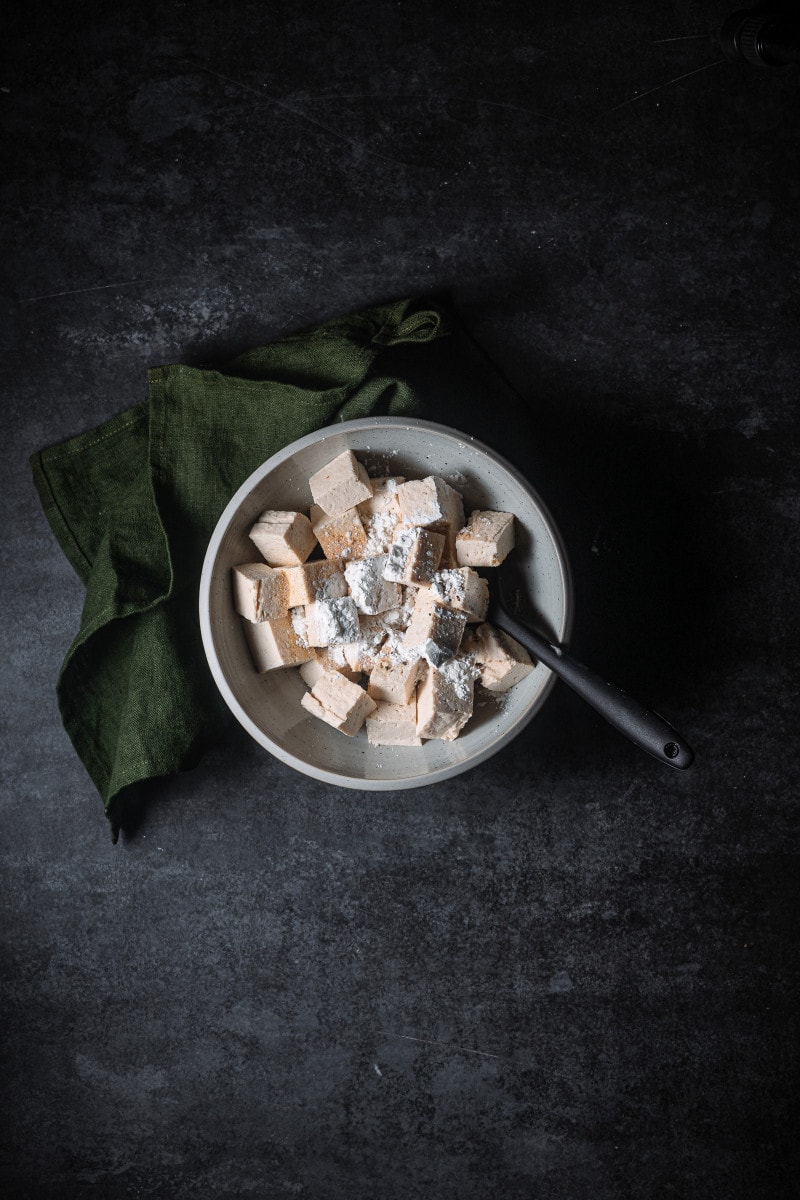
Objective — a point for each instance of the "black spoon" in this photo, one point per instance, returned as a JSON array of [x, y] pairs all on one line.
[[643, 726]]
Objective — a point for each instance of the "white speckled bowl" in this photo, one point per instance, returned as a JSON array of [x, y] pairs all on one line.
[[269, 706]]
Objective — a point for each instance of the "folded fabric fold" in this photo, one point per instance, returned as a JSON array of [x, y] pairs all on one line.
[[134, 502]]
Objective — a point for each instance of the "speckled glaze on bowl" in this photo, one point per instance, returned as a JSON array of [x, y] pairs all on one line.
[[269, 706]]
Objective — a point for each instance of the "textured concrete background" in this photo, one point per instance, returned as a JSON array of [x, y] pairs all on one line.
[[570, 973]]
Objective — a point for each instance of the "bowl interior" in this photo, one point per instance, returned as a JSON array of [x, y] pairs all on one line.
[[269, 706]]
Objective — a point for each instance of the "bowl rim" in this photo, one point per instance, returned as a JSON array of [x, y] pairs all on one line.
[[357, 425]]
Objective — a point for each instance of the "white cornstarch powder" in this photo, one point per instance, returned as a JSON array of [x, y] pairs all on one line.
[[461, 674], [379, 529], [328, 588], [337, 655], [371, 592], [449, 586], [333, 621], [299, 625], [393, 649], [400, 549]]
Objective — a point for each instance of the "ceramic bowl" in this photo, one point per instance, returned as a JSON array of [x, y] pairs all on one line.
[[269, 706]]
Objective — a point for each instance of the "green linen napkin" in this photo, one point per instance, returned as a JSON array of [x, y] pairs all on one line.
[[134, 502]]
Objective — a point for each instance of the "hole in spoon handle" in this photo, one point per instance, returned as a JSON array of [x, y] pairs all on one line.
[[678, 754]]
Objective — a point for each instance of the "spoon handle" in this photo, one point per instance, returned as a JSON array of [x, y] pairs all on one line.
[[643, 726]]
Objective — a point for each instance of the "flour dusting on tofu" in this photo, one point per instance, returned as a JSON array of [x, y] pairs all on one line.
[[299, 625], [375, 596]]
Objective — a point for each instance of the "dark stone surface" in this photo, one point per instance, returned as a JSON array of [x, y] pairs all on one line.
[[569, 973]]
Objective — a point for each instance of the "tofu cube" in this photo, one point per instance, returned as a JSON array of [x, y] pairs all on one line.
[[399, 617], [434, 630], [380, 515], [259, 592], [360, 657], [372, 593], [332, 622], [340, 703], [463, 589], [284, 538], [431, 503], [321, 580], [486, 540], [434, 504], [414, 556], [394, 681], [342, 536], [275, 644], [333, 658], [393, 725], [381, 530], [340, 485], [500, 658], [444, 699], [363, 654], [311, 671], [383, 498]]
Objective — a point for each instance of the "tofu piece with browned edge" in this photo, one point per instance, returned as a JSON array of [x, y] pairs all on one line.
[[445, 698], [260, 593], [341, 537], [284, 538], [462, 589], [320, 580], [338, 702], [393, 725], [275, 644], [341, 484], [486, 539], [502, 661]]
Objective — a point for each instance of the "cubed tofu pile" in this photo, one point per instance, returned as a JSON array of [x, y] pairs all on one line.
[[387, 629]]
